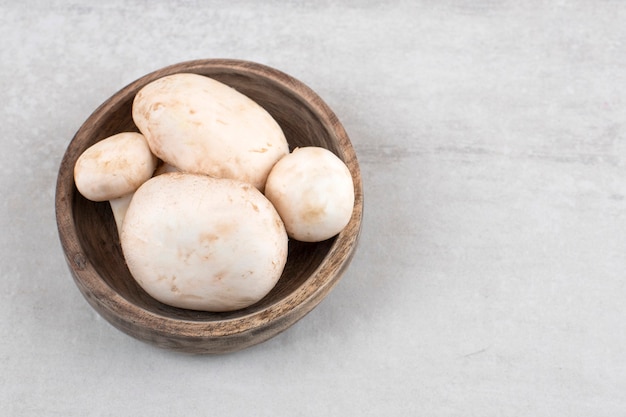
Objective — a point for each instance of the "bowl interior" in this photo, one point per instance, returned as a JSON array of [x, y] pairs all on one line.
[[94, 223]]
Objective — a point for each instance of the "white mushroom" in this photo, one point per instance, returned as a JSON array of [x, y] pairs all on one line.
[[313, 192], [200, 125], [112, 169], [196, 242]]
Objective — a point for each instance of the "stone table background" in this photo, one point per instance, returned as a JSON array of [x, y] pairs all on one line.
[[490, 277]]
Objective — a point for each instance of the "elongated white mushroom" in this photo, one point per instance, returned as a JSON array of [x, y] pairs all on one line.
[[112, 169], [313, 192], [200, 125]]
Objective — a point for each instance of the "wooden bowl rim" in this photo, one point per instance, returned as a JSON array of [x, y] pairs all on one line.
[[301, 300]]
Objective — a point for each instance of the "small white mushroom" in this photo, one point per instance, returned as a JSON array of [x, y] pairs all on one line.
[[200, 125], [112, 169], [201, 243], [313, 192]]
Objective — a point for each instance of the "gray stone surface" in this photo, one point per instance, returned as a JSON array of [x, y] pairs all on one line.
[[490, 276]]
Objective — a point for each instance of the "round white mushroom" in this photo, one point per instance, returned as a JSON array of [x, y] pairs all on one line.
[[200, 125], [313, 192], [196, 242], [112, 169]]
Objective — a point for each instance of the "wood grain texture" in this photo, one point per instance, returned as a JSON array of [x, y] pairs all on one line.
[[93, 253]]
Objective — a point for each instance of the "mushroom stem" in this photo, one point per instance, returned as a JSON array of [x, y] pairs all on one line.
[[164, 168], [119, 206]]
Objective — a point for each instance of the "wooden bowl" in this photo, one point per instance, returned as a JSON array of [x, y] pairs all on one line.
[[89, 237]]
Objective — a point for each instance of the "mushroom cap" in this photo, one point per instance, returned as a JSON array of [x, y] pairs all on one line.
[[114, 167], [201, 243], [312, 190], [200, 125]]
